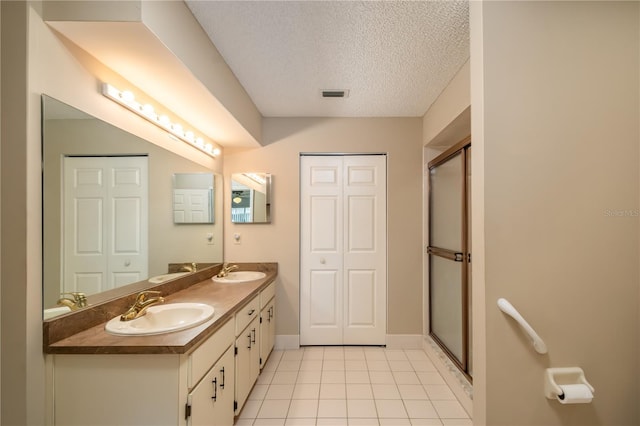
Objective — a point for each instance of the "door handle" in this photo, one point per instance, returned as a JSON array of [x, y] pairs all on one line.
[[215, 388], [253, 333], [222, 384]]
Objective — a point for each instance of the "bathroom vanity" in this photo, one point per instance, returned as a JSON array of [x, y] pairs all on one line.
[[198, 376]]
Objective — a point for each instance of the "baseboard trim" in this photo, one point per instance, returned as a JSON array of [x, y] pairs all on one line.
[[404, 341], [458, 384], [286, 341]]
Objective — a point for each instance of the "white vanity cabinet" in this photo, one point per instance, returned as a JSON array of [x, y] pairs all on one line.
[[148, 389], [247, 350], [267, 322]]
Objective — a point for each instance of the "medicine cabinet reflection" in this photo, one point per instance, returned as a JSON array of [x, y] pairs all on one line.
[[193, 197], [251, 197]]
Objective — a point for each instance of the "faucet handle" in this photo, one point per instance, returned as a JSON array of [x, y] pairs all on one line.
[[142, 296], [79, 298]]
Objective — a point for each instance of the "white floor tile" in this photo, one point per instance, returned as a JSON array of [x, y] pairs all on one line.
[[250, 409], [333, 365], [307, 408], [269, 422], [430, 378], [426, 422], [293, 355], [259, 391], [359, 391], [332, 408], [391, 408], [332, 422], [395, 355], [457, 422], [378, 365], [333, 377], [363, 422], [423, 366], [437, 392], [311, 365], [284, 378], [382, 377], [412, 392], [406, 378], [286, 365], [450, 410], [399, 365], [361, 408], [357, 377], [420, 409], [385, 391], [274, 409], [333, 391], [279, 392], [343, 386], [355, 365], [309, 377], [300, 422], [395, 422], [306, 391]]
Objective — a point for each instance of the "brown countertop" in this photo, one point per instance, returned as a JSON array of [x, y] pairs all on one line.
[[226, 299]]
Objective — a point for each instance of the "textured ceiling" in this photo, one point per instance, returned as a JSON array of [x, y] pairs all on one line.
[[395, 57]]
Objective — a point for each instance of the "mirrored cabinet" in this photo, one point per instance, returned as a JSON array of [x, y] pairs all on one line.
[[251, 197]]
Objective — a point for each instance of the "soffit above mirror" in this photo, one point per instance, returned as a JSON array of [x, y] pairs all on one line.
[[180, 69]]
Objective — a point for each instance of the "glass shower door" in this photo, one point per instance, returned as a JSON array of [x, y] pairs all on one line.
[[449, 256]]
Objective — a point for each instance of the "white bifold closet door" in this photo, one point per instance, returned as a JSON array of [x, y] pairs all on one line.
[[105, 209], [343, 250]]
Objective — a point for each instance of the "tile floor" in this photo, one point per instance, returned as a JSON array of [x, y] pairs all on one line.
[[351, 386]]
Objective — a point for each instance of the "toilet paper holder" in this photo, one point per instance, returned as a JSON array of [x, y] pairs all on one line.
[[554, 377]]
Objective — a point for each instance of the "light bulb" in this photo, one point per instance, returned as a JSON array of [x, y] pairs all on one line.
[[200, 142], [216, 152], [164, 120], [127, 96], [148, 109], [177, 128], [208, 147], [189, 135]]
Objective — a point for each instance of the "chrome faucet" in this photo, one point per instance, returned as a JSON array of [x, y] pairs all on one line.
[[226, 269], [144, 300], [78, 300]]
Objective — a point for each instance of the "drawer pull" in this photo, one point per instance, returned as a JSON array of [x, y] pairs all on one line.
[[215, 388], [253, 333], [249, 336], [222, 384], [251, 312]]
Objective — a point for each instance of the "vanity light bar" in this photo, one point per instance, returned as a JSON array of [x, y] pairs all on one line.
[[147, 111]]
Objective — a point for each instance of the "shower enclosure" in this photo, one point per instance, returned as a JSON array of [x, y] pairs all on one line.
[[448, 253]]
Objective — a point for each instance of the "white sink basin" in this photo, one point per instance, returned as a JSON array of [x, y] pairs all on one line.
[[166, 277], [161, 319], [240, 277]]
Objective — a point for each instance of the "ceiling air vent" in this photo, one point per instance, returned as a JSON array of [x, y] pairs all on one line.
[[335, 93]]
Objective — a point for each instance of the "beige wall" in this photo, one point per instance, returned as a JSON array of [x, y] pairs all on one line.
[[559, 108], [285, 139]]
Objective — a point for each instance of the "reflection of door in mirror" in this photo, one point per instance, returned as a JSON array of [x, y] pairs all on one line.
[[250, 198], [193, 197], [105, 203]]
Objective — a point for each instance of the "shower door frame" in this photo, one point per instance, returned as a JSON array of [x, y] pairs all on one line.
[[464, 257]]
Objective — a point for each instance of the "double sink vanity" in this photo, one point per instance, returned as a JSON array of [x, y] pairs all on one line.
[[189, 355]]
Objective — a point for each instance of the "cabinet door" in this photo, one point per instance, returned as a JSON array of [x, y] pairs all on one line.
[[212, 399], [267, 331], [247, 362]]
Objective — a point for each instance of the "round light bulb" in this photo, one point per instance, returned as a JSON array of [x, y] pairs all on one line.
[[189, 135], [208, 147], [164, 120], [127, 96], [200, 142], [147, 109], [177, 128]]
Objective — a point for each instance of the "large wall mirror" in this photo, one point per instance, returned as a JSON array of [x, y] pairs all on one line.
[[108, 207], [251, 197]]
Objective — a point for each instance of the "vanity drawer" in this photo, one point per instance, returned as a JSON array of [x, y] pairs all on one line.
[[246, 314], [267, 294], [208, 353]]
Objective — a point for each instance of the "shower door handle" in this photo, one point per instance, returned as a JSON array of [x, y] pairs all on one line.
[[447, 254]]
